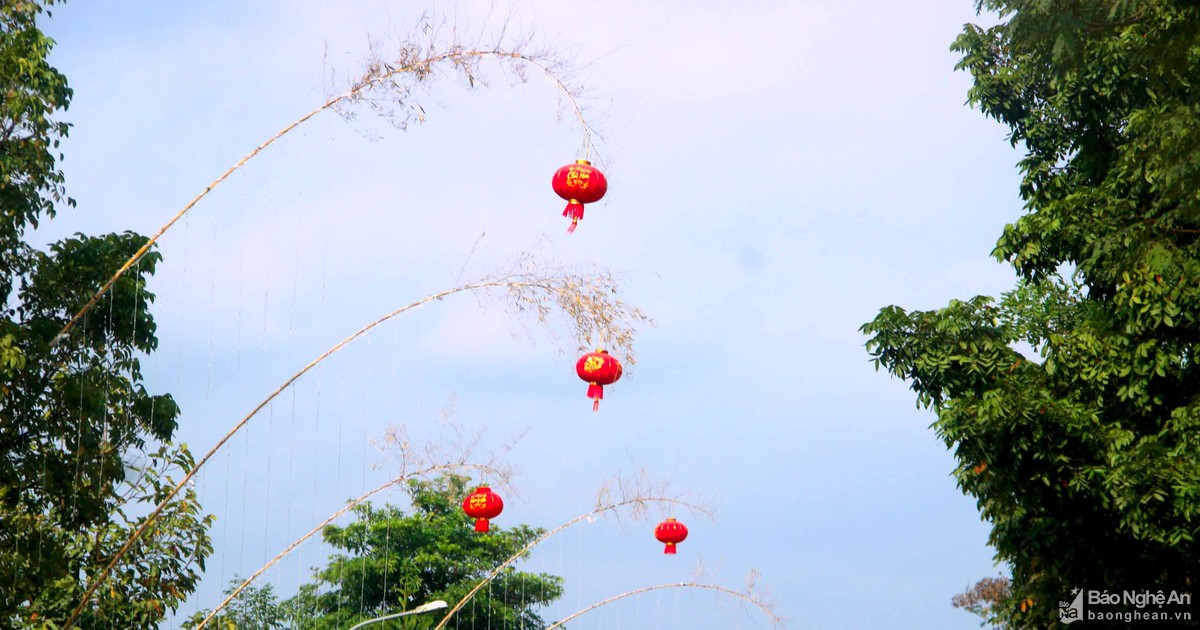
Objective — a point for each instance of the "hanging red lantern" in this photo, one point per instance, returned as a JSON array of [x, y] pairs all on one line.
[[598, 368], [671, 532], [482, 505], [579, 183]]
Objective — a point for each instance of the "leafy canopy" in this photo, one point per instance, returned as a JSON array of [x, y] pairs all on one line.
[[83, 445], [1085, 458], [395, 561], [254, 607]]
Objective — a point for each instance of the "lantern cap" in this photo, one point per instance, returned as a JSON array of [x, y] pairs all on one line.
[[583, 162], [483, 488], [670, 519]]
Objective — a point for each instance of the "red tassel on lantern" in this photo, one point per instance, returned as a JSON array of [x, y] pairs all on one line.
[[578, 183], [482, 505], [671, 532], [598, 368]]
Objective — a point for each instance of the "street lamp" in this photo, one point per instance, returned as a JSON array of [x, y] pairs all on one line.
[[436, 604]]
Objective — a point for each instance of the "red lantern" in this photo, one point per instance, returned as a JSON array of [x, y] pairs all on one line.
[[598, 368], [671, 532], [482, 505], [579, 183]]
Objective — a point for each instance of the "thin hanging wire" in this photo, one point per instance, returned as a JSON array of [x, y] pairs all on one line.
[[137, 312], [316, 451], [395, 407], [301, 175], [266, 265], [201, 492], [241, 265], [387, 561], [341, 394], [341, 596], [321, 311], [579, 571], [637, 612], [182, 290], [225, 513], [291, 447], [474, 600], [245, 493], [226, 520], [542, 583], [362, 584], [107, 387], [291, 468], [341, 404], [267, 503], [80, 429], [677, 591], [212, 304], [562, 565]]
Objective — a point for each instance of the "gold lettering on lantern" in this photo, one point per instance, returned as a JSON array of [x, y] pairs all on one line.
[[478, 501], [593, 364], [578, 178]]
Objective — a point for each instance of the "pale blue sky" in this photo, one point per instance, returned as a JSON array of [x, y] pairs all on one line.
[[777, 175]]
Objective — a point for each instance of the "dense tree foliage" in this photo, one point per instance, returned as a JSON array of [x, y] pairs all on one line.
[[1084, 457], [396, 561], [254, 607], [83, 445]]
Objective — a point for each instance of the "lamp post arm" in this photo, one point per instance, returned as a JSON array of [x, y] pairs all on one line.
[[423, 608]]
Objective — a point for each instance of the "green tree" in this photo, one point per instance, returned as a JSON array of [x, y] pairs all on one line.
[[397, 561], [1085, 458], [254, 607], [83, 445]]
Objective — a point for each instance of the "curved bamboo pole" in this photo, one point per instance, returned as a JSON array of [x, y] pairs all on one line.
[[513, 558], [457, 56], [99, 579], [776, 621]]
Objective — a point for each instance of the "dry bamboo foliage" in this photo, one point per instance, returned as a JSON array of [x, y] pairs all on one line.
[[393, 96], [588, 304], [456, 446], [626, 489], [753, 589], [984, 596]]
